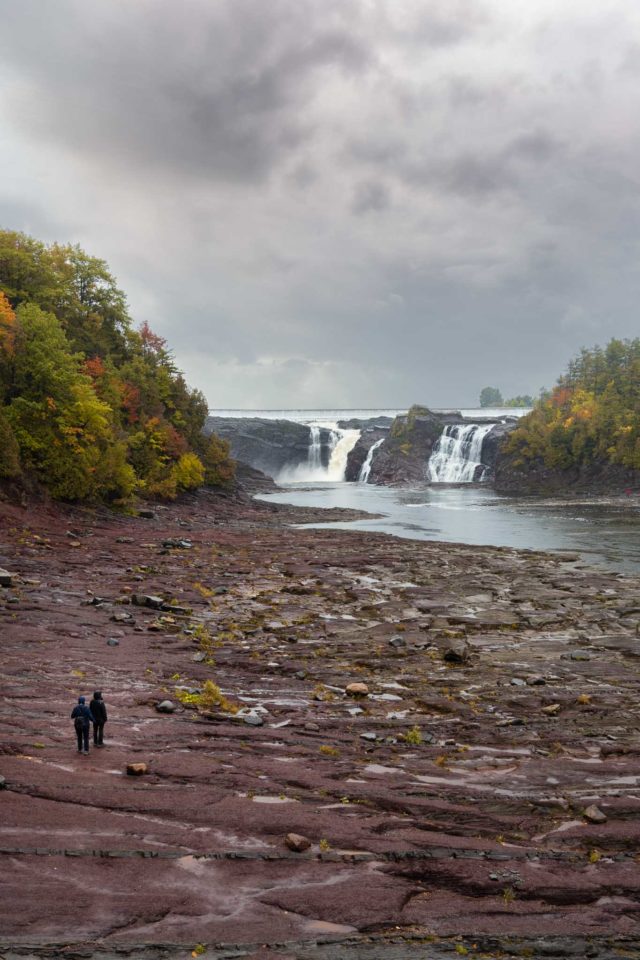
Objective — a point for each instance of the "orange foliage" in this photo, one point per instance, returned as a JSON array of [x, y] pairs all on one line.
[[7, 326], [150, 340], [560, 396], [130, 401], [94, 367]]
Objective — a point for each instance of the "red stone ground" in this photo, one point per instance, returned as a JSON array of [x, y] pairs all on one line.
[[445, 810]]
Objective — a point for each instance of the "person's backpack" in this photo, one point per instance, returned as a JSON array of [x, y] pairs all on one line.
[[79, 722]]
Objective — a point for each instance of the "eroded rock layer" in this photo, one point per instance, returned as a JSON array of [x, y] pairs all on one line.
[[481, 792]]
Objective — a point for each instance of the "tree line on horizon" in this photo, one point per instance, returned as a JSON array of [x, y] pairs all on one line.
[[92, 408], [492, 397]]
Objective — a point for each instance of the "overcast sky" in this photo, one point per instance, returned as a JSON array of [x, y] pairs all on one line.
[[339, 202]]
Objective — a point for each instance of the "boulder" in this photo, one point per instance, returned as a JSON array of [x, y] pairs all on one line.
[[165, 706], [296, 842], [455, 650], [137, 769], [357, 689], [594, 814], [139, 600], [552, 710]]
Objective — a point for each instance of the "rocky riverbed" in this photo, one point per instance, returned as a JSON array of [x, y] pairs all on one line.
[[450, 734]]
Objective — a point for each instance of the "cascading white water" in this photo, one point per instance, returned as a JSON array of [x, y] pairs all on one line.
[[456, 456], [365, 469], [338, 456], [341, 443], [314, 457]]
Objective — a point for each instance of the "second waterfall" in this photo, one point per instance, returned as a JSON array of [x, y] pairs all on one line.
[[457, 454]]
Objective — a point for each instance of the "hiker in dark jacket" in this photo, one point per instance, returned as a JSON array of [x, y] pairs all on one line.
[[99, 711], [82, 718]]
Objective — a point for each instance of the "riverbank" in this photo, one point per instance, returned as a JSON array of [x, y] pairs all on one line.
[[485, 790]]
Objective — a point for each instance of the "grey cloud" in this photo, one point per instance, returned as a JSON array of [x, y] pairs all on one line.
[[227, 103], [282, 185], [370, 196]]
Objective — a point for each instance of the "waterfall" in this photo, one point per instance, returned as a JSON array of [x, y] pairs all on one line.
[[314, 457], [365, 469], [338, 458], [341, 443], [456, 455]]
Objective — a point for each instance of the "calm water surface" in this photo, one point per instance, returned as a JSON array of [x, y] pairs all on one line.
[[606, 531]]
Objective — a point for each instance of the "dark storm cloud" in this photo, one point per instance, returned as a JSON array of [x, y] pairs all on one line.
[[338, 201], [208, 89]]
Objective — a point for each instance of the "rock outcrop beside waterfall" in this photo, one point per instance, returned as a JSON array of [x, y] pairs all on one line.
[[272, 446], [282, 448], [358, 456], [402, 459], [534, 478]]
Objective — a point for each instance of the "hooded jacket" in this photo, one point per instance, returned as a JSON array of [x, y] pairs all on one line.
[[98, 708], [81, 714]]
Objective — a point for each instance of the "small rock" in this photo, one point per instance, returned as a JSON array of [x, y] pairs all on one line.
[[594, 814], [370, 737], [312, 727], [357, 689], [147, 514], [139, 600], [300, 674], [397, 641], [124, 540], [6, 578], [165, 706], [253, 719], [137, 769], [536, 681], [455, 650], [3, 783], [177, 543], [112, 642], [122, 618], [580, 655], [518, 682], [199, 657], [552, 710], [296, 842]]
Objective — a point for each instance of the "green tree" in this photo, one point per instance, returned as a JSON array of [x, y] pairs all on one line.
[[91, 406], [490, 397]]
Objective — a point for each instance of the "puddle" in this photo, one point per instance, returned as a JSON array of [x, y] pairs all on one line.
[[569, 825], [323, 926], [266, 799], [378, 768]]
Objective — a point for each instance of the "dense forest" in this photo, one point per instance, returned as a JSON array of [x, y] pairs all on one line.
[[90, 407], [592, 416]]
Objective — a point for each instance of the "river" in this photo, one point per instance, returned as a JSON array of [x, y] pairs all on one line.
[[604, 531]]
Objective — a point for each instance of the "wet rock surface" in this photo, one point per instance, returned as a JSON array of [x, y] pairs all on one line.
[[449, 808]]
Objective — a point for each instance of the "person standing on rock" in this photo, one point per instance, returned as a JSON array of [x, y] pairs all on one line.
[[99, 712], [82, 718]]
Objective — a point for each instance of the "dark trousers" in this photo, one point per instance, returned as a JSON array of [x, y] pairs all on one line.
[[82, 733], [98, 733]]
